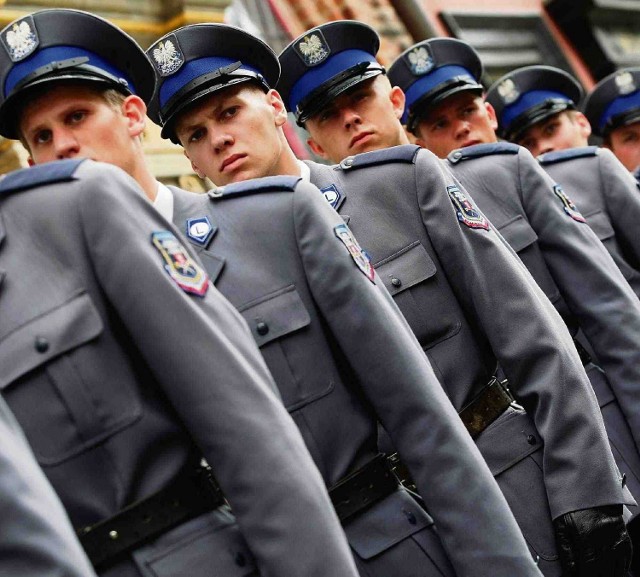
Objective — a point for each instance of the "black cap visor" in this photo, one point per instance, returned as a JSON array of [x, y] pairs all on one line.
[[624, 119], [532, 116]]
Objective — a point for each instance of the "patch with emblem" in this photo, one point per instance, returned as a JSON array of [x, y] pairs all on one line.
[[420, 60], [567, 204], [508, 91], [186, 273], [467, 213], [332, 195], [167, 56], [21, 39], [313, 48], [200, 230], [357, 254], [624, 83]]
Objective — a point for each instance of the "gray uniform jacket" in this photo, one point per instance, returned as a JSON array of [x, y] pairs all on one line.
[[343, 356], [574, 270], [36, 537], [607, 195], [470, 302], [120, 379]]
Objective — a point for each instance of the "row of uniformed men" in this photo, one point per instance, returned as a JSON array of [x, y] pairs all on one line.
[[125, 366]]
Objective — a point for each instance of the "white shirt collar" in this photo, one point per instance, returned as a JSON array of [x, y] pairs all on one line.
[[164, 202], [305, 171]]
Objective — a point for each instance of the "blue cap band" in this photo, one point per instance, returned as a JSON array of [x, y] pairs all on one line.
[[324, 72], [618, 106], [57, 54], [192, 70], [425, 84], [529, 100]]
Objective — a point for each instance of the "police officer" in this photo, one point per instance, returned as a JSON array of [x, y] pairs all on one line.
[[613, 109], [445, 266], [532, 212], [122, 364], [340, 352], [536, 107], [37, 539]]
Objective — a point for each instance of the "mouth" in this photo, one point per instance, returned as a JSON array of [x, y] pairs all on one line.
[[359, 139], [231, 162], [470, 143]]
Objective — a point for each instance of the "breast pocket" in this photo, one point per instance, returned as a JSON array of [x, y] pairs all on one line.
[[57, 381], [524, 240], [279, 322], [601, 225], [425, 299]]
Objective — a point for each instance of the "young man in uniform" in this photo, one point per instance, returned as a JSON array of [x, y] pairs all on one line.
[[613, 109], [536, 107], [341, 353], [121, 362], [447, 281]]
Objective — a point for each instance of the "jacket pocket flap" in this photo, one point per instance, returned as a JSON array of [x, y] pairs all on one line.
[[276, 315], [518, 233], [409, 266], [600, 224], [386, 523], [47, 336], [508, 440]]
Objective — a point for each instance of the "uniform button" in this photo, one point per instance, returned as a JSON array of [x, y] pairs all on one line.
[[41, 344], [457, 155], [624, 479], [262, 328], [411, 517], [396, 282], [347, 162], [531, 439], [241, 560]]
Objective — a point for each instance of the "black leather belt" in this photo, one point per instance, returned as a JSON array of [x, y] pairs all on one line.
[[492, 401], [363, 488], [187, 497]]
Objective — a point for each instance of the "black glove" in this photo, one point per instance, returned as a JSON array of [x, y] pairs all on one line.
[[593, 542]]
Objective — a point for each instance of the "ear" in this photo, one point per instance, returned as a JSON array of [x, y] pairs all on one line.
[[279, 110], [135, 111], [398, 99], [317, 149], [583, 124], [194, 167], [493, 117]]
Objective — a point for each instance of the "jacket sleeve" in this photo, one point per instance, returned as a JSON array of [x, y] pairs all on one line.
[[398, 381], [37, 538], [210, 369], [532, 345], [591, 284]]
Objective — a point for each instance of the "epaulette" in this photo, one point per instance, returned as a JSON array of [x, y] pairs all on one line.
[[568, 154], [402, 153], [480, 150], [255, 185], [48, 173]]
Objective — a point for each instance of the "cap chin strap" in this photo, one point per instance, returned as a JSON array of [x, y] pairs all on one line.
[[534, 115]]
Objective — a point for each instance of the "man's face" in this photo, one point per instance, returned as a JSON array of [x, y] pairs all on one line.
[[460, 120], [624, 142], [361, 119], [234, 134], [558, 132], [72, 121]]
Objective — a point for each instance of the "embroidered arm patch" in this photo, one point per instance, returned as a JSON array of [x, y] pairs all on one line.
[[467, 213], [567, 204], [357, 254], [185, 272]]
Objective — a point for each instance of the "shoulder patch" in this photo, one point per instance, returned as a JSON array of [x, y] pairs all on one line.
[[332, 195], [404, 153], [184, 271], [567, 204], [467, 213], [255, 185], [357, 254], [480, 150], [49, 173], [568, 154]]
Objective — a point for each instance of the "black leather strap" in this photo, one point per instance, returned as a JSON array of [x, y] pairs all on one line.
[[492, 401]]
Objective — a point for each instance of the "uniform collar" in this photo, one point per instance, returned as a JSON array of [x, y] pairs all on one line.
[[305, 171], [164, 202]]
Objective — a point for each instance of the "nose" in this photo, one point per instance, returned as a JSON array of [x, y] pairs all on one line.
[[543, 146], [65, 144], [350, 117], [220, 141], [462, 128]]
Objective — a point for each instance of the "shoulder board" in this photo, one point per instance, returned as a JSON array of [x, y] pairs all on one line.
[[253, 186], [568, 154], [480, 150], [48, 173], [403, 153]]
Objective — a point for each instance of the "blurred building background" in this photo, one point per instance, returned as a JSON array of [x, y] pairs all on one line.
[[588, 38]]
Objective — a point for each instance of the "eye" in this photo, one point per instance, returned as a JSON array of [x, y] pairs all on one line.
[[439, 124], [469, 110], [326, 114], [42, 137], [229, 112], [76, 117], [197, 135], [551, 128]]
